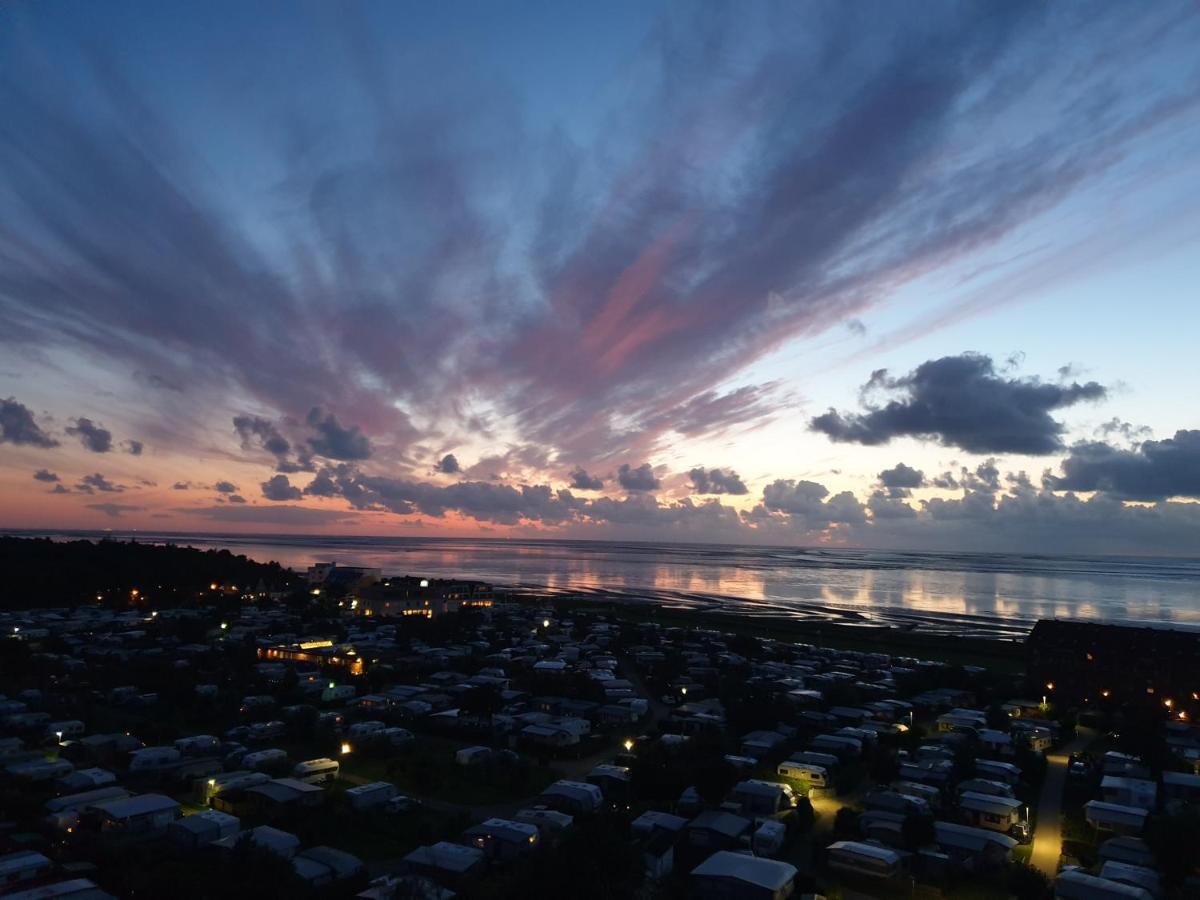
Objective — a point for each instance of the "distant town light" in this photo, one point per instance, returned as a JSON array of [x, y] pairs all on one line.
[[424, 582]]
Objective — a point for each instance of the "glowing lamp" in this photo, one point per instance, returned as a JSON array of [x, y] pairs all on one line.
[[345, 749]]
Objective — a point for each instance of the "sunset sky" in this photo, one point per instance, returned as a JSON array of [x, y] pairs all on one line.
[[920, 276]]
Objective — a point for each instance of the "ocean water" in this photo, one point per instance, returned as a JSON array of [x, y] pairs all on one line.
[[964, 593]]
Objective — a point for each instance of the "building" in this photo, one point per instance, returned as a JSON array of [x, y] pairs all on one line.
[[144, 814], [728, 875], [318, 652], [1090, 661], [23, 865], [408, 596], [331, 575]]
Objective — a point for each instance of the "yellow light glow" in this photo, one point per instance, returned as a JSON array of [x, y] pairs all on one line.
[[1104, 693], [1168, 703], [628, 745], [213, 586], [1049, 685], [545, 623], [345, 749]]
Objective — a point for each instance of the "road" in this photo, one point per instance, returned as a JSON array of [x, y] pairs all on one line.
[[1047, 836]]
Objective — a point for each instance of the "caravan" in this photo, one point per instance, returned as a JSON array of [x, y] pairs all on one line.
[[316, 771], [816, 776], [865, 859]]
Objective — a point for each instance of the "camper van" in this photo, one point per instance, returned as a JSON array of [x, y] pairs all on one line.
[[199, 745], [264, 759], [316, 771], [860, 858], [153, 759], [365, 730], [370, 796], [816, 776]]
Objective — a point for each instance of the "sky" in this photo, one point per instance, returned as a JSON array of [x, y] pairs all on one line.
[[906, 276]]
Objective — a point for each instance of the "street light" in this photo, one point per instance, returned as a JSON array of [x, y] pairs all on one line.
[[345, 749], [628, 745]]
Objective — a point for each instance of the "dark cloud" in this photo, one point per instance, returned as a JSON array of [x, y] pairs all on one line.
[[279, 488], [640, 479], [60, 489], [961, 401], [582, 481], [1154, 470], [810, 503], [226, 487], [18, 426], [1116, 427], [132, 447], [258, 432], [717, 481], [181, 486], [447, 465], [335, 442], [900, 480], [45, 475], [96, 482], [92, 436], [236, 498], [114, 510]]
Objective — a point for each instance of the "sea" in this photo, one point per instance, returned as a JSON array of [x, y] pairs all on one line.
[[969, 594]]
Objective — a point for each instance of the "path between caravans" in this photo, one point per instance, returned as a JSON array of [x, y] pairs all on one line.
[[1047, 836]]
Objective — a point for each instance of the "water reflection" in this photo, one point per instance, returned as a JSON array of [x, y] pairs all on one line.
[[1004, 592]]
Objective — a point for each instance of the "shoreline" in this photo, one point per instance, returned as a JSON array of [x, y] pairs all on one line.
[[999, 654]]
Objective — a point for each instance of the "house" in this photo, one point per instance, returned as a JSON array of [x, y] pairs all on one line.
[[1181, 786], [445, 859], [716, 830], [1126, 849], [658, 854], [319, 866], [1138, 792], [1115, 817], [281, 843], [760, 744], [1138, 876], [614, 781], [201, 829], [763, 798], [1001, 814], [63, 812], [1075, 884], [72, 889], [652, 821], [574, 797], [503, 839], [24, 865], [726, 874], [142, 814], [978, 847]]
